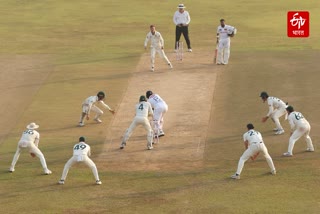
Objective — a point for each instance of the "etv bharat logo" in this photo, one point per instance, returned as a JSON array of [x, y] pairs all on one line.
[[298, 24]]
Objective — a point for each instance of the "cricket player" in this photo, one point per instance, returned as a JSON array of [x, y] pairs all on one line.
[[277, 108], [254, 145], [89, 105], [160, 108], [224, 32], [299, 127], [143, 110], [81, 153], [30, 141], [156, 45]]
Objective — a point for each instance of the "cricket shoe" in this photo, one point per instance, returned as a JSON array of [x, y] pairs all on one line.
[[273, 172], [161, 133], [275, 129], [189, 50], [152, 69], [235, 176], [150, 147], [98, 182], [287, 154], [122, 145], [61, 182], [170, 65], [11, 170], [81, 124], [47, 172], [309, 150], [279, 132], [97, 120]]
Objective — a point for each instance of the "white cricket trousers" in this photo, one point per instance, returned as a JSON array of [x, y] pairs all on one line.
[[32, 149], [276, 114], [158, 115], [299, 132], [160, 52], [223, 51], [136, 122], [94, 108], [78, 159], [253, 149]]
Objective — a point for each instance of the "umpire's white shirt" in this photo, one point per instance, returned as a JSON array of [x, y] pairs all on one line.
[[224, 31], [253, 137], [181, 18], [156, 40]]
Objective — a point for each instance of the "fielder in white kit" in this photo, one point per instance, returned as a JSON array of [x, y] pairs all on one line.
[[156, 46], [254, 144], [299, 127], [143, 110], [277, 108], [81, 153], [160, 108], [30, 141], [224, 32], [89, 105]]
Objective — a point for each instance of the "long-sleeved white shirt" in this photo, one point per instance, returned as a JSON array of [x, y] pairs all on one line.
[[29, 136], [156, 101], [143, 109], [93, 99], [275, 103], [224, 31], [252, 136], [156, 40], [81, 148], [181, 18], [297, 120]]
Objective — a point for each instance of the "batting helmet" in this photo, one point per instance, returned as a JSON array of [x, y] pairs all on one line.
[[101, 95], [142, 98], [290, 109], [264, 94], [148, 94], [82, 139]]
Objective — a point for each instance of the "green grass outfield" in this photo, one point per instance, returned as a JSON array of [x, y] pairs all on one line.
[[97, 44]]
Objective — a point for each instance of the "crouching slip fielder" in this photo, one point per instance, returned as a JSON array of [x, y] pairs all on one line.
[[299, 127], [29, 141], [143, 110], [157, 45], [88, 105], [81, 151], [254, 144], [277, 108], [160, 108]]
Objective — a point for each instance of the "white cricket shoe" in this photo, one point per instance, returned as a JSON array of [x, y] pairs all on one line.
[[61, 182], [98, 182], [152, 69], [11, 170], [47, 172], [122, 145], [309, 150], [275, 129], [97, 120], [273, 172], [161, 133], [81, 124], [287, 154], [235, 176], [279, 132], [189, 50], [170, 65]]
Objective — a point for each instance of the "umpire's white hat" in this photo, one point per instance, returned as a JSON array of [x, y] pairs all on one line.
[[181, 6]]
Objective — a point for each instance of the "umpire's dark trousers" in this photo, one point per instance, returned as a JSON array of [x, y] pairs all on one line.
[[184, 30]]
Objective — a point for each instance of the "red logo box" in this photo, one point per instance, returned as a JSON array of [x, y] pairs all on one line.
[[298, 24]]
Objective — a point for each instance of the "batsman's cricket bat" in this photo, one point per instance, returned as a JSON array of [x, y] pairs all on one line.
[[215, 55]]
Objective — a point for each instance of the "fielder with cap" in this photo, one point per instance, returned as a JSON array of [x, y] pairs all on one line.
[[181, 19], [30, 141], [224, 33], [299, 127], [143, 110], [160, 108], [89, 105], [277, 108], [254, 145], [81, 153], [156, 46]]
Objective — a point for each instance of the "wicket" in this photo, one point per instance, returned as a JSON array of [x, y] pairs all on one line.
[[179, 50]]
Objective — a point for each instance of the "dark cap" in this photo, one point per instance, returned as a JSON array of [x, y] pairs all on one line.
[[221, 20], [290, 109], [250, 126], [264, 94], [82, 139]]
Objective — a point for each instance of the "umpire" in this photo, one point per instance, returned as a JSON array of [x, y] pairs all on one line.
[[182, 19]]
